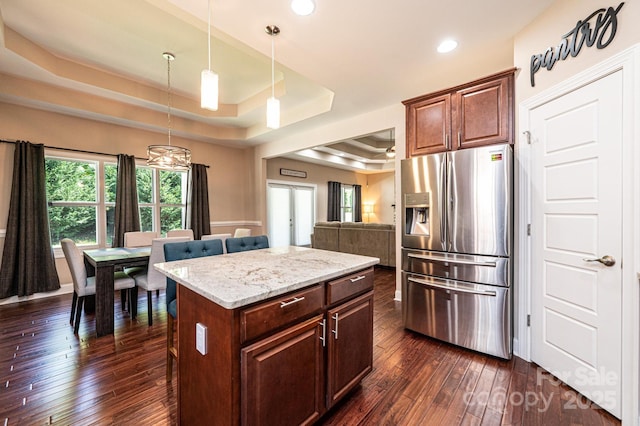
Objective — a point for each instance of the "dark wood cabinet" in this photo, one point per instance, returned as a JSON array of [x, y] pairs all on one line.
[[349, 346], [283, 377], [429, 125], [475, 114], [281, 361]]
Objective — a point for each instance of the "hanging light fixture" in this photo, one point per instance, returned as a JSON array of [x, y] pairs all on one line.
[[208, 78], [168, 156], [303, 7], [273, 104], [391, 151]]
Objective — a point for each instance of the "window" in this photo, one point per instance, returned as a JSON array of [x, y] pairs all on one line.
[[346, 204], [82, 193], [72, 193]]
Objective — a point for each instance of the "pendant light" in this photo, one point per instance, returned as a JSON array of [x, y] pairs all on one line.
[[168, 157], [208, 78], [273, 104]]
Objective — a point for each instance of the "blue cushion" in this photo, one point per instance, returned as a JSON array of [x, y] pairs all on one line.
[[247, 243], [172, 307], [186, 250]]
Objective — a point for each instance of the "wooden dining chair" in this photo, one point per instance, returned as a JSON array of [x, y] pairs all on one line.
[[180, 251], [86, 286]]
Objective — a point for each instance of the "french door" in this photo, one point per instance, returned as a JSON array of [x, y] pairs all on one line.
[[290, 214]]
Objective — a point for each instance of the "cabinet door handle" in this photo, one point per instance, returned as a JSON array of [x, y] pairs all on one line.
[[459, 139], [323, 338], [292, 301], [335, 332], [446, 142], [361, 277]]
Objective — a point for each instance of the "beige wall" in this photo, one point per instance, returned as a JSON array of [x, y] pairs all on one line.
[[380, 191], [376, 188], [230, 174], [547, 30]]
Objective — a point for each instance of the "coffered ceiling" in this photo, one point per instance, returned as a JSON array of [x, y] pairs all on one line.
[[103, 60]]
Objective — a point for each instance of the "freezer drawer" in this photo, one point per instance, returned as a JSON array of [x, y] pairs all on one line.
[[490, 270], [474, 316]]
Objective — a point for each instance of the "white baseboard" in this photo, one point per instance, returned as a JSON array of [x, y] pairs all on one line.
[[64, 289], [398, 296]]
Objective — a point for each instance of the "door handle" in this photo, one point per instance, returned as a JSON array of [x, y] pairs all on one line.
[[605, 260]]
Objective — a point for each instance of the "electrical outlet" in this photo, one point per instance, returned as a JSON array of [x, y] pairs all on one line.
[[201, 338]]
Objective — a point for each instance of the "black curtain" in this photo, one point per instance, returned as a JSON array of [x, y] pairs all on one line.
[[333, 204], [198, 204], [127, 216], [28, 265], [357, 203]]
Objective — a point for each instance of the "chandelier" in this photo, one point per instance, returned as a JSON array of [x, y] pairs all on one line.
[[168, 157]]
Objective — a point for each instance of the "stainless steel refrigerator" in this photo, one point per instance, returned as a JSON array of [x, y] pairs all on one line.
[[457, 230]]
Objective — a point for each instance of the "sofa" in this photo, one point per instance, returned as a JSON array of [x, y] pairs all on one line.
[[368, 239]]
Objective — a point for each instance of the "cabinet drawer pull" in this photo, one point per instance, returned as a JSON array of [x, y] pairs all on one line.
[[361, 277], [335, 332], [292, 301]]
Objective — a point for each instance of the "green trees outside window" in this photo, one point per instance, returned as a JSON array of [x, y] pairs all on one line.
[[81, 194], [347, 203]]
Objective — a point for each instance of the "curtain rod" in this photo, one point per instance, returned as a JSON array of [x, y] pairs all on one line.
[[83, 151]]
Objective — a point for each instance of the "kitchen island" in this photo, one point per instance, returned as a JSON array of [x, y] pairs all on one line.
[[284, 333]]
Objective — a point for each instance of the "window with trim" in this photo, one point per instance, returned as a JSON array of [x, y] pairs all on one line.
[[346, 204], [82, 192]]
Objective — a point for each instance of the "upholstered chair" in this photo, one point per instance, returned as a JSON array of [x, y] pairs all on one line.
[[139, 238], [221, 237], [86, 286], [247, 243], [242, 232], [181, 251], [181, 233], [152, 279]]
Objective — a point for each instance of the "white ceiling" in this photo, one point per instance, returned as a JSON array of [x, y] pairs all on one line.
[[347, 58]]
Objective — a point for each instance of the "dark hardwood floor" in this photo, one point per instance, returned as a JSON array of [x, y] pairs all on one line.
[[50, 376]]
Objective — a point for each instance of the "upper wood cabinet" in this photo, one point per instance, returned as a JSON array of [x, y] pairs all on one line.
[[474, 114]]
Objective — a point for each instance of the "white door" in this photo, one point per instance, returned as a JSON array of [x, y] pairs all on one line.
[[290, 214], [576, 219]]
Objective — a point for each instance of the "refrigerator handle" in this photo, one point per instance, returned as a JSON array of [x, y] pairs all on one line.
[[448, 288], [443, 203], [449, 202], [450, 260]]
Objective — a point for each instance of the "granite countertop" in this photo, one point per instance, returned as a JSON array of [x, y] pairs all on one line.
[[238, 279]]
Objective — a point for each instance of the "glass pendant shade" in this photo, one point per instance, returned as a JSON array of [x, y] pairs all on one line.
[[303, 7], [209, 90], [168, 157], [273, 113]]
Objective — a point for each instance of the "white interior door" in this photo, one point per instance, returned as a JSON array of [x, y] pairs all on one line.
[[577, 218], [290, 214]]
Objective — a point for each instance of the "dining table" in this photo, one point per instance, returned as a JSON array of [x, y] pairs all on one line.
[[102, 263]]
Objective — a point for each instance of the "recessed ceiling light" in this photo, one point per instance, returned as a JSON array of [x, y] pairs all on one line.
[[447, 46], [303, 7]]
